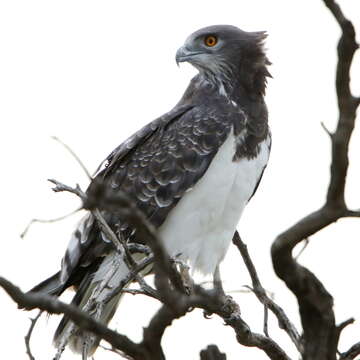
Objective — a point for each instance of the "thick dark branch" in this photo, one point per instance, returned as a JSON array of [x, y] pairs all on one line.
[[52, 305], [229, 311], [212, 352], [152, 294], [347, 107], [176, 302], [352, 353], [46, 221], [153, 334], [213, 303], [315, 303], [353, 213]]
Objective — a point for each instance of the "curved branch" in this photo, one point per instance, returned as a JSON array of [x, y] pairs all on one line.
[[315, 303], [352, 353], [29, 333], [31, 301], [347, 107], [260, 293]]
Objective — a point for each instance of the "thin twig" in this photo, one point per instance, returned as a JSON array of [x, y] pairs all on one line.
[[327, 130], [105, 228], [147, 289], [29, 333], [340, 328], [260, 293], [115, 351], [52, 305], [345, 323], [60, 187], [141, 292], [46, 221], [306, 243], [266, 317], [68, 148]]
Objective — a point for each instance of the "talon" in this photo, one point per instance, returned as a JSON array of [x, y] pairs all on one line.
[[230, 305]]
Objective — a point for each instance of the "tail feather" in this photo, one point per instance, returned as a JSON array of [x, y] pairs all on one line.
[[90, 297], [50, 286]]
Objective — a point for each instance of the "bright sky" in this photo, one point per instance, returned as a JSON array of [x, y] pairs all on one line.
[[92, 73]]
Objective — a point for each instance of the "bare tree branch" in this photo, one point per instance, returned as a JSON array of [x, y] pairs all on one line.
[[118, 243], [352, 353], [214, 303], [326, 130], [29, 333], [72, 152], [212, 352], [141, 292], [176, 302], [353, 213], [347, 108], [315, 303], [306, 243], [260, 293], [46, 221], [321, 335], [52, 305]]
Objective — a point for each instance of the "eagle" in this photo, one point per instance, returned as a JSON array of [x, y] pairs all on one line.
[[191, 172]]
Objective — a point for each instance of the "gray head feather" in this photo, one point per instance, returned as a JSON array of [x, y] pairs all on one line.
[[233, 58]]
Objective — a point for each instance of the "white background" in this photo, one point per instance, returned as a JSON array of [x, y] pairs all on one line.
[[94, 72]]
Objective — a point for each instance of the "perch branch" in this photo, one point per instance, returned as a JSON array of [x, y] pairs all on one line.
[[176, 303], [260, 293], [52, 305]]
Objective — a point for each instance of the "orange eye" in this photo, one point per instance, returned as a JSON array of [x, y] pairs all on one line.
[[210, 40]]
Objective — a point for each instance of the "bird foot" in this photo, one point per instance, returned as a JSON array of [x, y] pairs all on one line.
[[230, 306]]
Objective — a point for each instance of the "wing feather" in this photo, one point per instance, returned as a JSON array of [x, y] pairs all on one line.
[[155, 167]]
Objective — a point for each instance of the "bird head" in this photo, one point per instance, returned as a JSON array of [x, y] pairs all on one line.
[[226, 55]]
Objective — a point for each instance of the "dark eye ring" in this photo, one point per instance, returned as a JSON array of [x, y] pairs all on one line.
[[210, 40]]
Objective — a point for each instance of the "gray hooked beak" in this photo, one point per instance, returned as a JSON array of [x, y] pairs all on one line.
[[184, 54]]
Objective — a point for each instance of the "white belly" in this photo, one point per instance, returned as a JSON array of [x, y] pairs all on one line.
[[200, 227]]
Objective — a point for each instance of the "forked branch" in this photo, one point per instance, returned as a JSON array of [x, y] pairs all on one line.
[[320, 336]]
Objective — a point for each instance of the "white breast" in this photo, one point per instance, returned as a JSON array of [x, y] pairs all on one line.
[[199, 229]]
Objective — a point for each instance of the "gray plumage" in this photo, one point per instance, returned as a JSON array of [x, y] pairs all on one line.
[[161, 164]]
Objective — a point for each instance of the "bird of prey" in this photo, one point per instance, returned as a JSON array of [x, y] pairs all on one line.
[[191, 172]]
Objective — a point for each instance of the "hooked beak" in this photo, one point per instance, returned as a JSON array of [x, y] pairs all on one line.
[[184, 54]]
